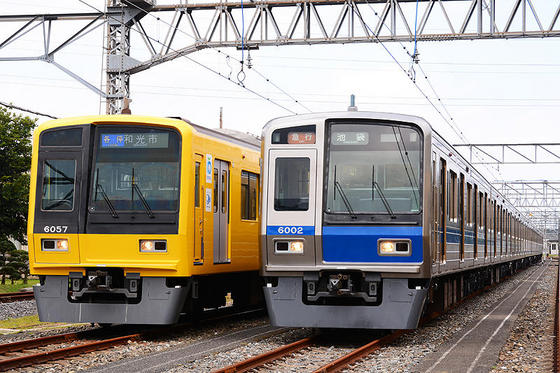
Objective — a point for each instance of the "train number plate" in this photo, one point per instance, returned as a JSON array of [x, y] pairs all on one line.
[[291, 230], [55, 228]]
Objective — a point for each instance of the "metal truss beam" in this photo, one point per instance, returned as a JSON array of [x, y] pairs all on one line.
[[537, 200], [45, 24], [286, 22], [530, 153], [307, 22]]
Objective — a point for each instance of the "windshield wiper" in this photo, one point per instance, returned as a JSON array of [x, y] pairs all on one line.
[[343, 195], [135, 187], [104, 195], [374, 185], [405, 166]]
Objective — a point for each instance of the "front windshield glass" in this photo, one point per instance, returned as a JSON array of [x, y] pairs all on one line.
[[374, 169], [136, 169]]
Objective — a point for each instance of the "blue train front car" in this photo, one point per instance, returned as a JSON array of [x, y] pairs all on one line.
[[343, 214]]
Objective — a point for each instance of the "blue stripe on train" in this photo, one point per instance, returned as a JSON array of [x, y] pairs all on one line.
[[359, 244]]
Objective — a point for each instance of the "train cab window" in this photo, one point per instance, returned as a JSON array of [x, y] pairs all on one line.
[[58, 185], [291, 187], [249, 192], [64, 137], [135, 169]]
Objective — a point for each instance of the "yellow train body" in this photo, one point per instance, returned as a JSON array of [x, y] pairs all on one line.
[[107, 240]]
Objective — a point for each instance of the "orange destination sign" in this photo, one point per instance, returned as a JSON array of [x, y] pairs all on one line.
[[301, 138]]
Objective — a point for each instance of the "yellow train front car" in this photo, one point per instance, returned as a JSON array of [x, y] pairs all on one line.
[[138, 220]]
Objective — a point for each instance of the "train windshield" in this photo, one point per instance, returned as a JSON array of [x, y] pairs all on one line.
[[373, 169], [135, 169]]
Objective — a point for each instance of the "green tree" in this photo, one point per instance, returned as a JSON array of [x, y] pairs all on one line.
[[15, 162], [19, 262], [7, 250]]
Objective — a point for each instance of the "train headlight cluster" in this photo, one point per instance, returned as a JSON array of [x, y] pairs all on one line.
[[393, 247], [291, 247], [54, 245], [153, 246]]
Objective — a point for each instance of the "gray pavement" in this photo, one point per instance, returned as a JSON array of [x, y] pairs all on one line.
[[476, 349], [162, 361]]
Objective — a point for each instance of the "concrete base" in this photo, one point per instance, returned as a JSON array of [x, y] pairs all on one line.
[[159, 304], [400, 308]]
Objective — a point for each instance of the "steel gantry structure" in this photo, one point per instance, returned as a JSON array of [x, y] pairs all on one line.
[[537, 200], [529, 153], [275, 23]]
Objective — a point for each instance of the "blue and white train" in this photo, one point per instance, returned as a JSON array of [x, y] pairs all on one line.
[[370, 219]]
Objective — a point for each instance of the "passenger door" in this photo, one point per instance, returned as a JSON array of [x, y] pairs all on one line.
[[198, 210], [221, 211], [290, 215]]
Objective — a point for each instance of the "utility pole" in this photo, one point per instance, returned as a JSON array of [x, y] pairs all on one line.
[[221, 117]]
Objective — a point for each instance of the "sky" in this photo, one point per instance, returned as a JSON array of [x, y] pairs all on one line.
[[496, 91]]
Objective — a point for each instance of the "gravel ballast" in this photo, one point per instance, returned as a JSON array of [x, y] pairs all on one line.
[[17, 309], [529, 347], [400, 356]]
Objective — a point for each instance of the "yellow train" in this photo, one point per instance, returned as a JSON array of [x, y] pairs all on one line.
[[136, 219]]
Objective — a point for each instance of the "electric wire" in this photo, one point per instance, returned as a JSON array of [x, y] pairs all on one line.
[[11, 106], [197, 62], [242, 61], [451, 122]]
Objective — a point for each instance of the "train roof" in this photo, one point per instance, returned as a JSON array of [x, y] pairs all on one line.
[[287, 120], [229, 135]]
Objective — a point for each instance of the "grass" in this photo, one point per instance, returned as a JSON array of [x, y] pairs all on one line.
[[20, 322], [9, 288]]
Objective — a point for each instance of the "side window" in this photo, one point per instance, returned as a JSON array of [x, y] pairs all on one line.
[[291, 187], [453, 196], [58, 185], [197, 184], [249, 192], [215, 190]]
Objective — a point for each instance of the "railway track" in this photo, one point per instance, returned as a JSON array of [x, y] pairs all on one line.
[[261, 361], [313, 346], [15, 297], [51, 348], [40, 350]]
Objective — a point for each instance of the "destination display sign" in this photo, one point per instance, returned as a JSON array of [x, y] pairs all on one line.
[[134, 140], [350, 138], [301, 138]]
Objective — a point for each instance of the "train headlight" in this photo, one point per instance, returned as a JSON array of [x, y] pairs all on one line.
[[296, 247], [394, 247], [153, 246], [386, 247], [54, 245]]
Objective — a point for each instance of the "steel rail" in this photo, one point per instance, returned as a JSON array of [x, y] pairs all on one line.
[[44, 356], [359, 353], [13, 297], [39, 342], [262, 359]]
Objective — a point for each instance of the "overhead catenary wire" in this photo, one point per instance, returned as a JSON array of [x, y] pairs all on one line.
[[450, 122], [242, 61], [11, 106], [198, 63]]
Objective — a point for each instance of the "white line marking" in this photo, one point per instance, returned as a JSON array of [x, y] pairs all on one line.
[[473, 328], [471, 367]]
